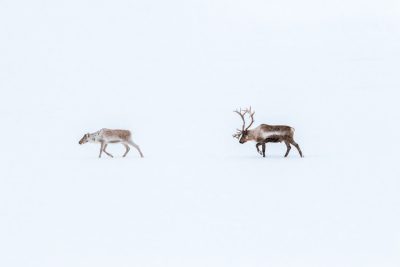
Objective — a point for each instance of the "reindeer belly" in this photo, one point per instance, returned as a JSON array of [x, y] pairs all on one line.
[[275, 134], [114, 141], [273, 139]]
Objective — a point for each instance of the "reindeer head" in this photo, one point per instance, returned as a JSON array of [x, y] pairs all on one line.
[[85, 139], [242, 134]]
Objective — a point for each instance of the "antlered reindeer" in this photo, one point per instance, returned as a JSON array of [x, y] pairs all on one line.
[[109, 136], [265, 133]]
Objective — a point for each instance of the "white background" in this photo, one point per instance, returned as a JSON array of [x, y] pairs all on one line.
[[172, 72]]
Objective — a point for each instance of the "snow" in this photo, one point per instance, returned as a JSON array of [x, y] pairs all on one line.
[[172, 72]]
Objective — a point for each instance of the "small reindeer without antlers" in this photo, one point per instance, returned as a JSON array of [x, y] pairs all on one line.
[[265, 133], [110, 136]]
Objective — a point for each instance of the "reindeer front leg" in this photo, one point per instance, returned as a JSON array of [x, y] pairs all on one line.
[[258, 150], [101, 148], [104, 149], [263, 149]]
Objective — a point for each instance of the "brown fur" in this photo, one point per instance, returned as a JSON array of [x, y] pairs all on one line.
[[123, 134]]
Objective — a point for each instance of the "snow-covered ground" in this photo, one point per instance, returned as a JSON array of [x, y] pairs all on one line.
[[173, 72]]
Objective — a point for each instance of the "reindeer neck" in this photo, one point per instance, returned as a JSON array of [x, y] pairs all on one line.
[[98, 136], [252, 133]]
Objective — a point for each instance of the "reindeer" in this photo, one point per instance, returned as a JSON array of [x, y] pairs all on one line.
[[265, 133], [108, 136]]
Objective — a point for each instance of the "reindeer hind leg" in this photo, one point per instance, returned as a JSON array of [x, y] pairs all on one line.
[[288, 147], [127, 149], [136, 146], [297, 146]]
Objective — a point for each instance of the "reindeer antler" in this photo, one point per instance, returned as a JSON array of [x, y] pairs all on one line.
[[237, 134], [251, 114], [242, 113]]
